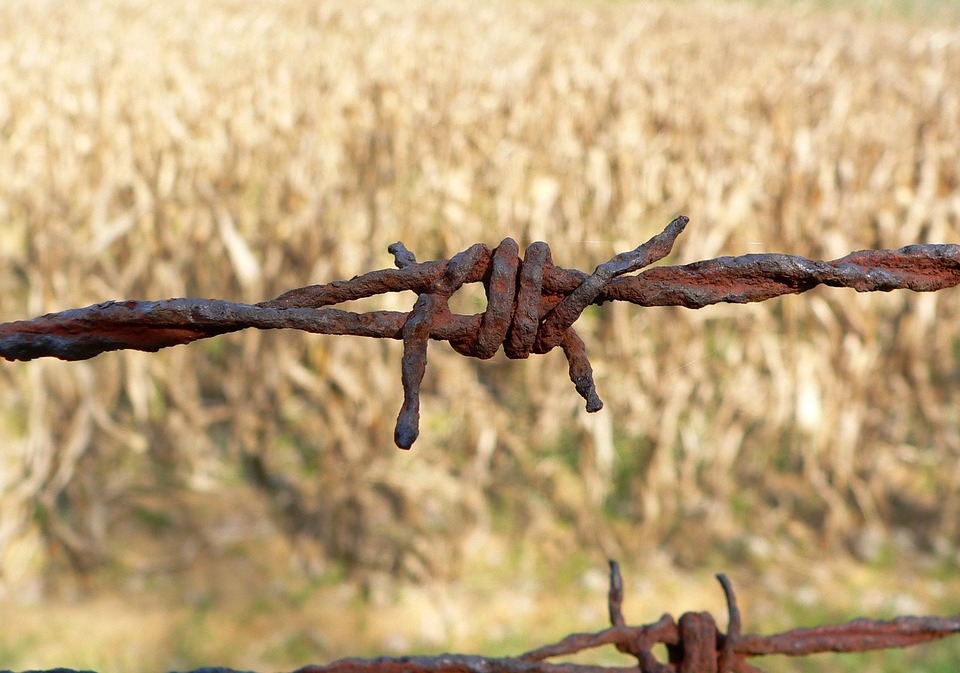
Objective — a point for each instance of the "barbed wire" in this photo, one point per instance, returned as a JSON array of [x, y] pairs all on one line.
[[532, 304], [694, 644]]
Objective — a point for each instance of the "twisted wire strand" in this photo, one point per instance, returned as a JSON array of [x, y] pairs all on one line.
[[532, 304], [694, 644]]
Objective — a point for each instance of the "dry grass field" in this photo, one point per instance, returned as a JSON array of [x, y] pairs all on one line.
[[240, 502]]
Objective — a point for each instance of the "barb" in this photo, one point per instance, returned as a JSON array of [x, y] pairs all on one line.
[[531, 304], [694, 644]]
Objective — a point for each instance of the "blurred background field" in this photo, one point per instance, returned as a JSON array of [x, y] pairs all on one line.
[[239, 501]]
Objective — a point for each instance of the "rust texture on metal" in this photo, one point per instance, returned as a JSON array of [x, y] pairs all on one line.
[[532, 304], [694, 644]]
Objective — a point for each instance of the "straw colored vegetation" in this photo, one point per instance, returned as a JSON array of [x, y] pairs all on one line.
[[808, 446]]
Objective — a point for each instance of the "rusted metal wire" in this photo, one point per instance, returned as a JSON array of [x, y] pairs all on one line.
[[532, 304], [694, 644]]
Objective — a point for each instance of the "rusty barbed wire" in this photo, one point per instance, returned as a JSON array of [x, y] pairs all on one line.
[[694, 644], [532, 304]]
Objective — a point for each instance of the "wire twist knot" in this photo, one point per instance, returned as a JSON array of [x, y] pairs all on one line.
[[520, 316]]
